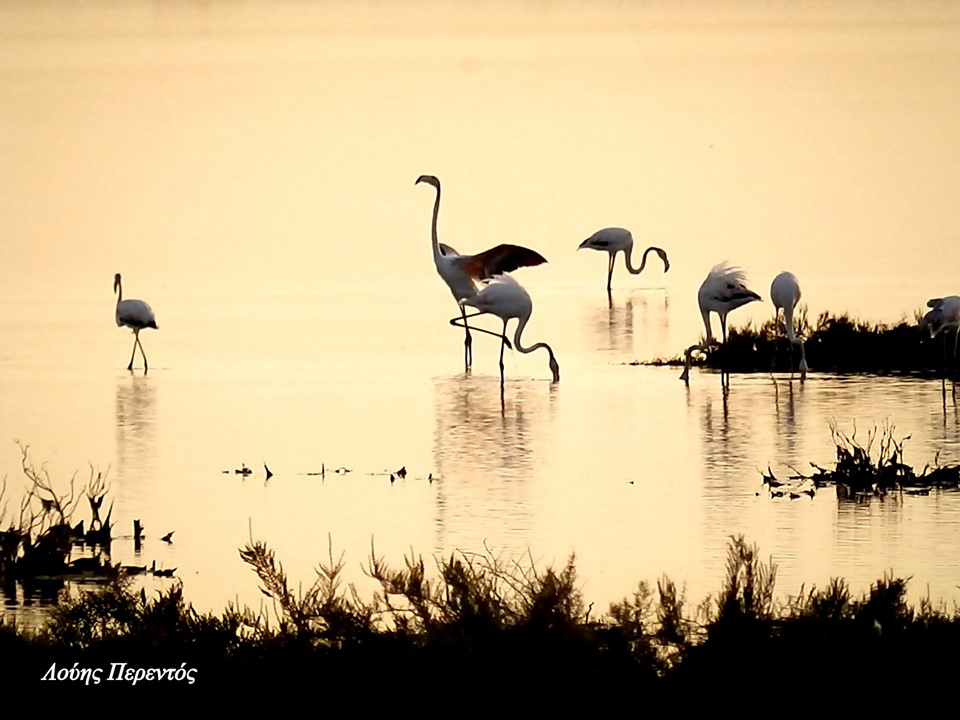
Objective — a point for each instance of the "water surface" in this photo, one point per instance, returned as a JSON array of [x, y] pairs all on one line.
[[250, 170]]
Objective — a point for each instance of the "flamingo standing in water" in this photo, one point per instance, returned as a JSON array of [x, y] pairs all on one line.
[[785, 294], [723, 290], [614, 240], [944, 315], [464, 273], [505, 297], [135, 314]]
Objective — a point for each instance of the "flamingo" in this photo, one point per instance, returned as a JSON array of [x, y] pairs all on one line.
[[505, 297], [723, 290], [464, 273], [135, 314], [613, 240], [785, 294], [944, 315]]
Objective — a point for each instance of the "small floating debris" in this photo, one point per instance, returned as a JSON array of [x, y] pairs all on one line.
[[794, 487], [244, 470], [402, 472], [322, 472], [269, 474], [168, 538], [168, 573], [770, 479], [88, 565]]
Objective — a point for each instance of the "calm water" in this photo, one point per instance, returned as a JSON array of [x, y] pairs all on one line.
[[250, 170]]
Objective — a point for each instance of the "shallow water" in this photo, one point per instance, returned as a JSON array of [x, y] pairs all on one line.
[[251, 174]]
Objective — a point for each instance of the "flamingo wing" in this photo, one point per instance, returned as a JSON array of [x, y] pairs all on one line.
[[499, 260], [736, 293]]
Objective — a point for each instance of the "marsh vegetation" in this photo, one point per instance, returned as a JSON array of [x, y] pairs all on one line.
[[834, 344]]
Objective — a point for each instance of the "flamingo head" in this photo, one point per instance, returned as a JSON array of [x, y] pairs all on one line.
[[555, 369], [429, 179], [116, 282], [663, 256]]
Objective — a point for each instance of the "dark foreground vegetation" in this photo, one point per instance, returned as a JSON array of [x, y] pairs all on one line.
[[834, 344], [485, 632]]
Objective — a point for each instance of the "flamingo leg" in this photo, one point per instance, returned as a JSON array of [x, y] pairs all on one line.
[[956, 340], [613, 255], [723, 329], [776, 339], [803, 362], [467, 342], [502, 346], [142, 353], [456, 323], [944, 355], [136, 339]]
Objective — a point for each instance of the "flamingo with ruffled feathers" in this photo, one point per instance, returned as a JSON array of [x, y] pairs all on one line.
[[614, 240], [463, 274], [723, 290], [506, 298], [136, 315]]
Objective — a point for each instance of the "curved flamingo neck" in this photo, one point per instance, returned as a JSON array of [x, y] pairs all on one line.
[[521, 324], [788, 322], [433, 227], [700, 347], [517, 343], [119, 288], [628, 258], [628, 261], [794, 340]]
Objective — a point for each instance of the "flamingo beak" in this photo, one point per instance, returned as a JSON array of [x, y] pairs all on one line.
[[555, 368]]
